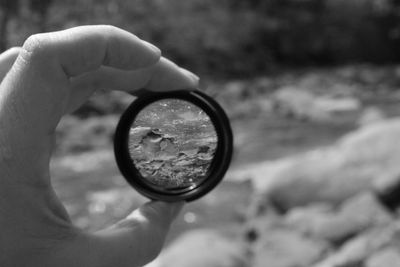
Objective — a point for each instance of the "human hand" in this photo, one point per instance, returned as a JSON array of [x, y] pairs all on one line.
[[53, 74]]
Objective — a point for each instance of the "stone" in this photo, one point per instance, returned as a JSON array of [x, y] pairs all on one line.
[[297, 103], [282, 247], [371, 115], [357, 250], [330, 174], [338, 106], [203, 247], [302, 104], [387, 189], [384, 258], [336, 226]]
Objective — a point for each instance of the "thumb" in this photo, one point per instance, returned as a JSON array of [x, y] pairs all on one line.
[[137, 239]]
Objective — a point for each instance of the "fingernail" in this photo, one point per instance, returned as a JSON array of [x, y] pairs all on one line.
[[152, 47], [190, 74]]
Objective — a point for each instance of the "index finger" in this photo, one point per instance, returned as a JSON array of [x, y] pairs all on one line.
[[37, 88], [35, 93], [86, 48]]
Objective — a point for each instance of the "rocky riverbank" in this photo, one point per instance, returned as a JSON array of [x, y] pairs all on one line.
[[313, 181], [324, 208]]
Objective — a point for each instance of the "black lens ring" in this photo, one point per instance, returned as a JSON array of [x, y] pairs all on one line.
[[218, 166]]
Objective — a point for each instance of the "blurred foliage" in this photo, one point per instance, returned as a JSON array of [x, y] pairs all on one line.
[[230, 37]]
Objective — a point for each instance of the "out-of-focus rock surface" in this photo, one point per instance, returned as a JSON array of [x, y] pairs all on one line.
[[200, 248], [314, 181], [331, 174], [385, 257], [361, 212], [357, 250], [304, 105], [371, 115], [282, 247], [322, 208]]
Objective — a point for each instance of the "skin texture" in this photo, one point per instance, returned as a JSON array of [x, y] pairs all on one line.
[[51, 75]]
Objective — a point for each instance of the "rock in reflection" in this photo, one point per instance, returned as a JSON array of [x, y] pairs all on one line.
[[172, 143]]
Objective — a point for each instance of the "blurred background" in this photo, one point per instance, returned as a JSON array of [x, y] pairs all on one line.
[[311, 89]]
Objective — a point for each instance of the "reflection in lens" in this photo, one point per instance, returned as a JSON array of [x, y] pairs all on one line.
[[172, 143]]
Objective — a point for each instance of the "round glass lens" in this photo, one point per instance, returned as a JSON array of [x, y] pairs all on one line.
[[172, 143]]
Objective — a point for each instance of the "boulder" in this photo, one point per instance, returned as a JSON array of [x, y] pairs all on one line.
[[282, 247], [355, 215], [384, 258], [357, 250], [387, 189], [203, 247], [331, 174], [303, 104], [371, 115], [297, 103]]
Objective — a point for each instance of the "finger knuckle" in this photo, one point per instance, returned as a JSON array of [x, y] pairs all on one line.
[[116, 49], [35, 45], [109, 28]]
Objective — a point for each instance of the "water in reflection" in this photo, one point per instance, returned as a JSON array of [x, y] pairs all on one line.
[[172, 143]]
